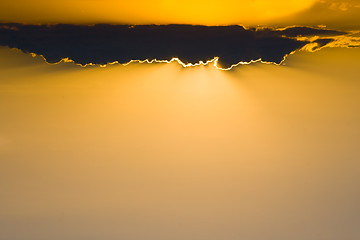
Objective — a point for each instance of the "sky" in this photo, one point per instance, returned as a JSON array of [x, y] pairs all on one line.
[[332, 13], [149, 12], [94, 147], [209, 12]]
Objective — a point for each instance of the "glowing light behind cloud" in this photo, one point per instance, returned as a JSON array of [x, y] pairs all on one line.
[[189, 45]]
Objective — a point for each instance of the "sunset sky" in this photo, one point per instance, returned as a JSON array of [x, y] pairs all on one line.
[[206, 12], [260, 143]]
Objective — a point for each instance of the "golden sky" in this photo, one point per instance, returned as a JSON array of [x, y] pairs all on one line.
[[335, 13], [338, 14], [209, 12]]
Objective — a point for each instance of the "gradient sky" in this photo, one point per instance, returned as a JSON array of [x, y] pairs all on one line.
[[162, 152], [256, 12], [155, 11], [159, 151]]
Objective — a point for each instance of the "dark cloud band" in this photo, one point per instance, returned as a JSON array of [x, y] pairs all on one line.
[[102, 43]]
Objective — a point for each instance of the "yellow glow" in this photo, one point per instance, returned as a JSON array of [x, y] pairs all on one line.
[[214, 62], [156, 11], [161, 152]]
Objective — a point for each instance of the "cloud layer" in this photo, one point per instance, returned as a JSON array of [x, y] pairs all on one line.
[[103, 44]]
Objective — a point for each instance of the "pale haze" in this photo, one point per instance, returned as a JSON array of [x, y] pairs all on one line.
[[158, 151]]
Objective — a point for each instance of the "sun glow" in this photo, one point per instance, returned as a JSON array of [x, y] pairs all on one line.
[[214, 62]]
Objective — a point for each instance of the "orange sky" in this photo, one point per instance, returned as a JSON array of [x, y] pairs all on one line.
[[209, 12], [334, 13]]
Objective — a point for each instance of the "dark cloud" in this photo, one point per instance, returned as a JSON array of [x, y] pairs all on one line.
[[102, 44], [307, 31], [323, 42]]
